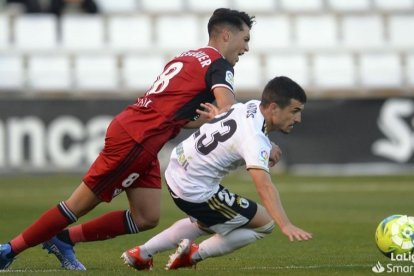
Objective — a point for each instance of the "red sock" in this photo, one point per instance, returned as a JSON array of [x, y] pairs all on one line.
[[44, 228], [105, 227]]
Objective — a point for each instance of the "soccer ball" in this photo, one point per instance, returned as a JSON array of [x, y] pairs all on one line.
[[395, 235]]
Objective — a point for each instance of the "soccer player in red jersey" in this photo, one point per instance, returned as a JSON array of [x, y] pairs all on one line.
[[128, 161]]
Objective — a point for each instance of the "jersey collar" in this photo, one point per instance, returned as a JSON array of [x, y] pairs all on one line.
[[264, 128]]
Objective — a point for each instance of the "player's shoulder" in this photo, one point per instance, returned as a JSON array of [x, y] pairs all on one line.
[[252, 108], [253, 116], [246, 108], [200, 52], [216, 56], [247, 115], [208, 57]]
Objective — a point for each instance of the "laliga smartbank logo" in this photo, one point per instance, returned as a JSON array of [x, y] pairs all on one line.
[[399, 267]]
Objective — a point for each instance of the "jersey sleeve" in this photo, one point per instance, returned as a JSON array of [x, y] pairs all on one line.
[[256, 152], [220, 74]]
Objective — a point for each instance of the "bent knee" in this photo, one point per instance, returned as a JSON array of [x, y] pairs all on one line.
[[266, 229], [146, 222]]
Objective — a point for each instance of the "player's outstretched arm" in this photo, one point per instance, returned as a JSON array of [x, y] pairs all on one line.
[[271, 201], [295, 233]]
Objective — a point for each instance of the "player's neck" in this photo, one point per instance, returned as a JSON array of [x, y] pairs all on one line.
[[265, 128], [216, 46]]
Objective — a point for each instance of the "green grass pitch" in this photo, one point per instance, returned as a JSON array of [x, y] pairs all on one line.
[[341, 212]]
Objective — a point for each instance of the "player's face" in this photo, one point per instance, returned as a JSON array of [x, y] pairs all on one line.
[[284, 119], [238, 44]]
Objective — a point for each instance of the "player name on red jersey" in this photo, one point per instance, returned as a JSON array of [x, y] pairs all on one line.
[[201, 56]]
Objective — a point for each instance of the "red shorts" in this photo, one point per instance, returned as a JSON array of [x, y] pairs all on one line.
[[123, 163]]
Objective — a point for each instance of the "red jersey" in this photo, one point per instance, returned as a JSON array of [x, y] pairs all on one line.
[[171, 102]]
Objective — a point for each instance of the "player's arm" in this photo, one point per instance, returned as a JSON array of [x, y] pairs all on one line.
[[224, 100], [220, 78], [270, 199], [275, 154], [208, 112]]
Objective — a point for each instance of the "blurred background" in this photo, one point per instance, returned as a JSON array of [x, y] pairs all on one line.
[[67, 67]]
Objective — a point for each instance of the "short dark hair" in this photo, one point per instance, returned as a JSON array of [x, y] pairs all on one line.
[[230, 17], [281, 90]]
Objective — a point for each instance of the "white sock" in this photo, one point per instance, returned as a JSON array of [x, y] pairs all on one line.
[[219, 245], [171, 237]]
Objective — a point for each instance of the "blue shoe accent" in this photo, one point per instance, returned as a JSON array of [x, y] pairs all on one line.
[[64, 252], [5, 261]]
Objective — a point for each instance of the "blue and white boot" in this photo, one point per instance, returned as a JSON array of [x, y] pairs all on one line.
[[64, 252], [5, 261]]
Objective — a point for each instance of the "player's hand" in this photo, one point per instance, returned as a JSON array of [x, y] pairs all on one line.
[[296, 234], [275, 155], [209, 112]]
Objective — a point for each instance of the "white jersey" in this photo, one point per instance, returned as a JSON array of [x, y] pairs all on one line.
[[198, 164]]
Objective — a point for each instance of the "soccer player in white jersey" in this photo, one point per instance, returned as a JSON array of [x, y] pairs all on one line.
[[199, 163]]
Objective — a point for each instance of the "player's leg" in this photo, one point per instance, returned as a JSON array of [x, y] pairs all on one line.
[[145, 198], [120, 166], [57, 218], [145, 208], [222, 244], [117, 167], [236, 221], [144, 195], [140, 257], [50, 223], [171, 237], [122, 221]]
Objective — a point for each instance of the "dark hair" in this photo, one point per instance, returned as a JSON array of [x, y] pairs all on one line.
[[281, 90], [230, 17]]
